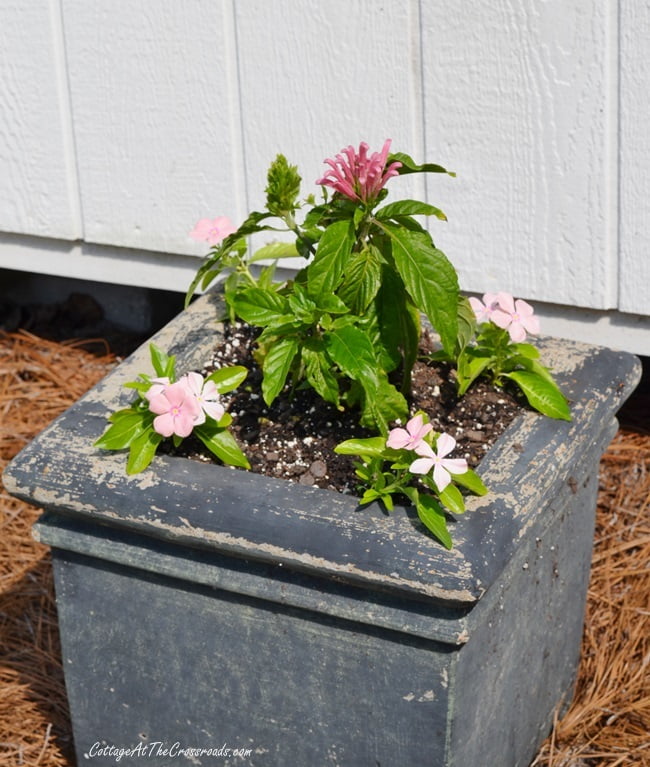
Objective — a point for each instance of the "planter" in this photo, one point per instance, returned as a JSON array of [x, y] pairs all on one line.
[[204, 607]]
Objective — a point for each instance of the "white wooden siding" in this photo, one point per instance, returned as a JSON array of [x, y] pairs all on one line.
[[122, 123]]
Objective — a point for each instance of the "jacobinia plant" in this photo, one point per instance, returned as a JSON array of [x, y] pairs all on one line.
[[348, 325]]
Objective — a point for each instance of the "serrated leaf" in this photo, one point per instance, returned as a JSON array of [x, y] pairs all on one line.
[[409, 208], [228, 378], [142, 450], [429, 278], [220, 442], [332, 254], [277, 363], [260, 307], [319, 374], [432, 516], [399, 324], [352, 351], [362, 279], [542, 394]]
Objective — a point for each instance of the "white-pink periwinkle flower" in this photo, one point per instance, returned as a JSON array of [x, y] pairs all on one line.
[[206, 395], [517, 317], [158, 385], [411, 436], [443, 467], [484, 309], [213, 230], [176, 410], [357, 175]]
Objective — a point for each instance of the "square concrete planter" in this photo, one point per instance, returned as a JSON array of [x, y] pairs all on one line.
[[202, 607]]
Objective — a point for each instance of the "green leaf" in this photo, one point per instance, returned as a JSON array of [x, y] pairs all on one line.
[[162, 363], [228, 378], [126, 426], [319, 374], [260, 307], [399, 323], [527, 350], [410, 166], [333, 252], [371, 447], [220, 442], [429, 278], [273, 251], [471, 363], [362, 279], [352, 351], [452, 499], [142, 450], [276, 366], [542, 394], [466, 323], [383, 405], [472, 482], [433, 518], [331, 304], [409, 208]]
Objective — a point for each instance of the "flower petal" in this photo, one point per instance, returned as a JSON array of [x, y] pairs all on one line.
[[445, 444], [421, 465], [441, 476]]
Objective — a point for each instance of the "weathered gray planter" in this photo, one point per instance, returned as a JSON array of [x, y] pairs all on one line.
[[215, 608]]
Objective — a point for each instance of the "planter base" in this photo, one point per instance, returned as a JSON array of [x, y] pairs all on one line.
[[209, 609]]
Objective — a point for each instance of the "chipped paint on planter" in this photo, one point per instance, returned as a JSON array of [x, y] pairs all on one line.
[[366, 642]]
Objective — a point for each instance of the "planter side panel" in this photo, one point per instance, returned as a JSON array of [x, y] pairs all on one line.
[[151, 659], [525, 645]]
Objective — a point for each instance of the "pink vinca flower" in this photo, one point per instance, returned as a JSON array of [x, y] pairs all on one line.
[[516, 317], [484, 309], [443, 467], [158, 385], [358, 176], [410, 437], [213, 230], [206, 395], [176, 410]]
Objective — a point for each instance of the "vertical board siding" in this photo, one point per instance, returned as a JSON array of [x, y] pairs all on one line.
[[122, 123], [634, 270], [316, 77], [37, 175], [517, 101], [154, 100]]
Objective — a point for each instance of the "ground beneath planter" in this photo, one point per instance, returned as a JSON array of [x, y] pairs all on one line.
[[295, 438], [606, 726]]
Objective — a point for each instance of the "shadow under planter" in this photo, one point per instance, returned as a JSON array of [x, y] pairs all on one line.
[[213, 616]]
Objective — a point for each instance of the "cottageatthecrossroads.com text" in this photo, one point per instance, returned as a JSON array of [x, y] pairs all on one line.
[[161, 750]]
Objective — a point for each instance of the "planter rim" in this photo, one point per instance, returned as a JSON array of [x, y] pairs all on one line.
[[308, 529]]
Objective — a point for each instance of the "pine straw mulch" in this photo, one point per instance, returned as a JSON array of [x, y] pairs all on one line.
[[607, 725]]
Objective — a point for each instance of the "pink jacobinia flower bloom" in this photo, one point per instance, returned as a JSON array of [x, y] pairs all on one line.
[[410, 437], [517, 317], [358, 176], [206, 395], [213, 230], [443, 467], [176, 410], [484, 309]]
